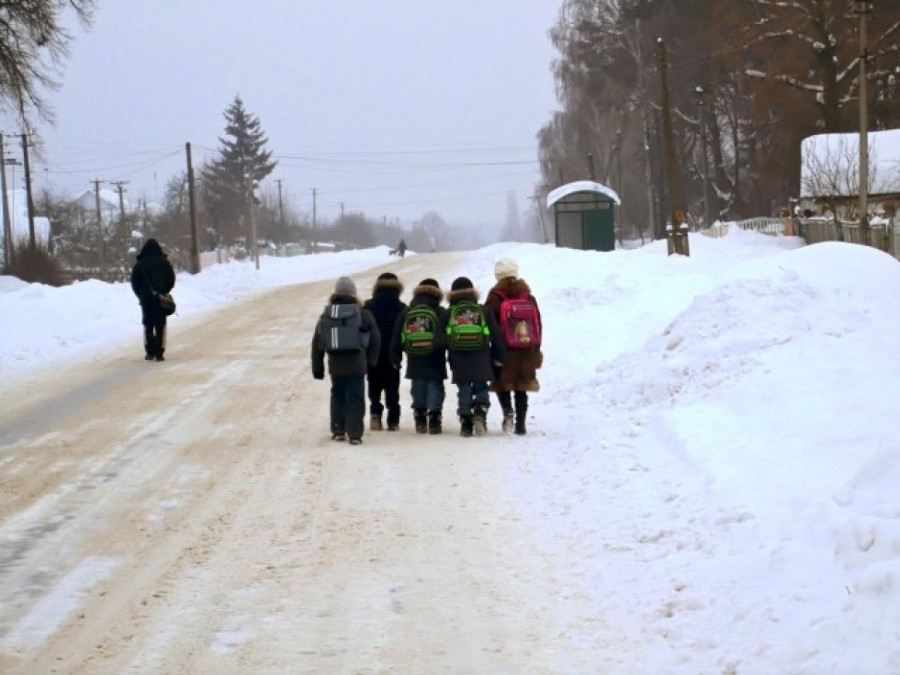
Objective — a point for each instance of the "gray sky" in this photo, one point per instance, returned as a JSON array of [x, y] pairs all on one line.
[[391, 107]]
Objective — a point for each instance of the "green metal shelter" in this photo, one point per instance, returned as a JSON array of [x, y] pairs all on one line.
[[584, 215]]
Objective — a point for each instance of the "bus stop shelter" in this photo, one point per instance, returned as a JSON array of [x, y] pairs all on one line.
[[584, 215]]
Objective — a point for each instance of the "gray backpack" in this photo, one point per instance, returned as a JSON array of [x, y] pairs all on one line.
[[340, 328]]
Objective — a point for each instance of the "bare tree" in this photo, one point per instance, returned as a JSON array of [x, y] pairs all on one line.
[[33, 45]]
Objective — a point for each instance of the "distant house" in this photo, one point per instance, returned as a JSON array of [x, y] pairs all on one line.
[[829, 176], [109, 204], [18, 218]]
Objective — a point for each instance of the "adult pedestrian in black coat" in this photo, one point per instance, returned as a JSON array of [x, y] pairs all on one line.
[[385, 305], [151, 275]]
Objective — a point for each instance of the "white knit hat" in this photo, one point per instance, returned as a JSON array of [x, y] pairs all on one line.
[[506, 267], [345, 286]]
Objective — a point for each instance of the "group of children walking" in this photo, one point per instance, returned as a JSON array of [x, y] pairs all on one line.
[[494, 346]]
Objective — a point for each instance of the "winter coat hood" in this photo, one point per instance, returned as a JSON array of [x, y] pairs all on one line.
[[151, 249], [423, 291], [342, 299], [387, 285], [462, 294], [512, 287]]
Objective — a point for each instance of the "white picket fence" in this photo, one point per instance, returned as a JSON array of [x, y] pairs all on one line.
[[760, 224]]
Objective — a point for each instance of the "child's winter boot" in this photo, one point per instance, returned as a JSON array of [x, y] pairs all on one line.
[[509, 418], [480, 420], [521, 410], [465, 425], [375, 423], [421, 421], [434, 422], [393, 418]]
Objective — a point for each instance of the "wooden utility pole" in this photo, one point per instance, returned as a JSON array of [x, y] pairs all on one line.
[[676, 230], [315, 243], [192, 208], [120, 188], [7, 224], [32, 242], [253, 235], [863, 8], [100, 250], [281, 212], [701, 108]]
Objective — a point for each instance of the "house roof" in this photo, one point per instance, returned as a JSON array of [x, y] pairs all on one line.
[[839, 154]]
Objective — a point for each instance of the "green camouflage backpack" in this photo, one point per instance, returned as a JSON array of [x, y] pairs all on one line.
[[419, 336], [467, 328]]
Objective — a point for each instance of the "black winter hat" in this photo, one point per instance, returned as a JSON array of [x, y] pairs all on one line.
[[387, 276], [429, 282], [460, 283]]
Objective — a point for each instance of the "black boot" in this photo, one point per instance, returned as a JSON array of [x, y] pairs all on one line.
[[508, 415], [393, 418], [421, 421], [465, 425], [434, 422], [480, 420], [521, 410]]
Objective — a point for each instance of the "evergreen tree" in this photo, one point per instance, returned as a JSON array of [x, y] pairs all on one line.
[[243, 162]]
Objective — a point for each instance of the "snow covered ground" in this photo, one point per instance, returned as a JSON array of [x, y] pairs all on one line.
[[752, 389]]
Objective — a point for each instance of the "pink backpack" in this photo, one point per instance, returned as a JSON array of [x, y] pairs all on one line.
[[520, 322]]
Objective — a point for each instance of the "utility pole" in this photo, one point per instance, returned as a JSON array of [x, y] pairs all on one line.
[[32, 243], [120, 188], [252, 210], [591, 166], [7, 225], [863, 8], [701, 108], [281, 212], [97, 182], [676, 231], [315, 243], [192, 204]]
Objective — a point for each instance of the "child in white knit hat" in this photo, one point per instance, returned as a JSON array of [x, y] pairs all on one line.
[[516, 311]]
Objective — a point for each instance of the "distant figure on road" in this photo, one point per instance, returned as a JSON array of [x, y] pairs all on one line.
[[151, 275], [401, 248]]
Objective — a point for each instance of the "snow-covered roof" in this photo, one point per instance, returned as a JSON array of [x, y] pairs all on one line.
[[581, 186], [18, 218], [836, 156]]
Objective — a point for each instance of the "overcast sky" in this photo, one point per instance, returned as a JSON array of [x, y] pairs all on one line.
[[390, 107]]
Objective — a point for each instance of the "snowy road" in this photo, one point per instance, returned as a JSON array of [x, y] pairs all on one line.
[[193, 516]]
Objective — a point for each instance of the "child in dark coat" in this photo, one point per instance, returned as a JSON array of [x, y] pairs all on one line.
[[386, 306], [472, 367], [427, 372], [347, 368]]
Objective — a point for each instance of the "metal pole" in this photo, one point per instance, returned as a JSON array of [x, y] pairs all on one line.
[[32, 243], [863, 8], [7, 225], [195, 244]]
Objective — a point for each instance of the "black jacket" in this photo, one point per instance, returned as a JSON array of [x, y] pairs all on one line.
[[386, 306], [475, 365], [348, 363], [151, 274], [434, 365]]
